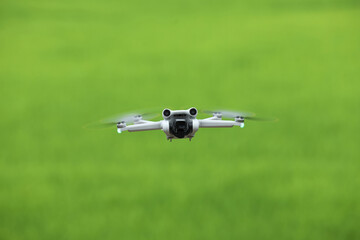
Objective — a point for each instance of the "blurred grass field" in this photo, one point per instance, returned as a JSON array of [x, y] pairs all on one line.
[[67, 63]]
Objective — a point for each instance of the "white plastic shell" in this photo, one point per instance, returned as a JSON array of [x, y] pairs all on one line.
[[166, 127]]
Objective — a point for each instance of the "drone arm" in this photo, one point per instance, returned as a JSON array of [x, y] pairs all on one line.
[[212, 118], [214, 123], [146, 126]]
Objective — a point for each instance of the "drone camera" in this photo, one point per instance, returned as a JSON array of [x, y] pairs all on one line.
[[166, 113], [180, 127], [193, 112]]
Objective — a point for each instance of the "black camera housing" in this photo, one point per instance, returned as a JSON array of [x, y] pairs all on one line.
[[181, 126]]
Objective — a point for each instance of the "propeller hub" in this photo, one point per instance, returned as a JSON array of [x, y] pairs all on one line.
[[239, 119], [121, 124]]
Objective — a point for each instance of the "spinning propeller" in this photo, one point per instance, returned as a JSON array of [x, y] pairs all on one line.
[[122, 120], [239, 116]]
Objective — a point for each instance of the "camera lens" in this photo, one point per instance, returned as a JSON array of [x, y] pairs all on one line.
[[166, 112], [193, 111]]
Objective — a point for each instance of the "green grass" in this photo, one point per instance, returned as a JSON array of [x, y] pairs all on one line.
[[64, 64]]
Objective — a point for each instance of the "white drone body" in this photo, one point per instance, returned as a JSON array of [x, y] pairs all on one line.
[[179, 124]]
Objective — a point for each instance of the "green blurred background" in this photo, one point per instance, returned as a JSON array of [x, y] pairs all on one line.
[[67, 63]]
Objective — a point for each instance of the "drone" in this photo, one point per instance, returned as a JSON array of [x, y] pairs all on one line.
[[180, 124]]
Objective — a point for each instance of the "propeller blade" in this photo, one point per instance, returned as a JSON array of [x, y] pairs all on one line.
[[231, 114], [128, 118], [245, 115], [261, 119]]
